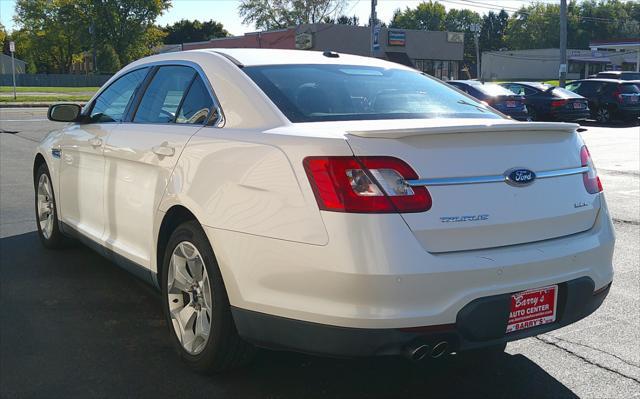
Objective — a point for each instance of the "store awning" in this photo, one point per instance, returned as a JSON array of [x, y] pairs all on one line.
[[602, 60]]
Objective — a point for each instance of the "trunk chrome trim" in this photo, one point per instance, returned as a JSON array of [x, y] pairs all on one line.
[[452, 181]]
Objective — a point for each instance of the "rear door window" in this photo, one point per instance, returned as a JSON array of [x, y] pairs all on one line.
[[112, 103], [164, 94], [197, 104]]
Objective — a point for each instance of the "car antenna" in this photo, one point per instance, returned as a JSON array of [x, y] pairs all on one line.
[[330, 54]]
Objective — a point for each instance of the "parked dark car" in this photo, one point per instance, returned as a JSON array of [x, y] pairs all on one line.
[[496, 96], [620, 75], [547, 102], [609, 99]]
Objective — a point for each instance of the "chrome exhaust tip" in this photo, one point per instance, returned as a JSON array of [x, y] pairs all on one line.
[[439, 349], [417, 352]]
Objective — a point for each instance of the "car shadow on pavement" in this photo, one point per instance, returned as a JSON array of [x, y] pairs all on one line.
[[75, 325], [613, 124]]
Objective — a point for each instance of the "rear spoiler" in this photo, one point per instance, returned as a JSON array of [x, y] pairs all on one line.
[[515, 127]]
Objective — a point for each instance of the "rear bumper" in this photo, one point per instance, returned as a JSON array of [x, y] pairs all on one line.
[[571, 116], [480, 323], [374, 273], [628, 113]]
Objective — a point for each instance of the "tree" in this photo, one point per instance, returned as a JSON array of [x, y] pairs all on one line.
[[426, 16], [128, 26], [279, 14], [342, 20], [185, 31], [493, 30], [3, 36], [536, 26], [108, 60], [55, 32]]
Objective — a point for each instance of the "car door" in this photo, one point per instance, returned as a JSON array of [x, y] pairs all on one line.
[[141, 154], [82, 168]]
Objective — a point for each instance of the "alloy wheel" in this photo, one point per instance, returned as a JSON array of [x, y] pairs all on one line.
[[189, 297], [603, 115], [45, 206]]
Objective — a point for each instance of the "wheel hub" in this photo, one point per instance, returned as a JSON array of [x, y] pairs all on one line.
[[189, 297]]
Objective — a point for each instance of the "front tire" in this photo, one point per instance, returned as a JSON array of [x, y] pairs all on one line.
[[196, 305], [46, 210]]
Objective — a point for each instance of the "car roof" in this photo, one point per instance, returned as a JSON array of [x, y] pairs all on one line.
[[255, 57], [617, 72], [470, 82], [605, 80]]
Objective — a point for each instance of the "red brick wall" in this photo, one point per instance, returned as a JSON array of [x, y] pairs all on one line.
[[284, 39]]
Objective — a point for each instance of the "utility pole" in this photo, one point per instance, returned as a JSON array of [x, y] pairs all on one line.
[[475, 28], [12, 49], [563, 42], [372, 25]]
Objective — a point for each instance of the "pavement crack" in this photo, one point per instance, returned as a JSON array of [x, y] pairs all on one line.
[[586, 360], [625, 361]]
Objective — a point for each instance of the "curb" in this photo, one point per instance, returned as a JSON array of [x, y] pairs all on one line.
[[34, 105]]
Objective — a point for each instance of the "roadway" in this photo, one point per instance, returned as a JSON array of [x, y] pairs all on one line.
[[74, 325]]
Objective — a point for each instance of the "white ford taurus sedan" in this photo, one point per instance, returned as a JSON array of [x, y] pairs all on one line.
[[327, 203]]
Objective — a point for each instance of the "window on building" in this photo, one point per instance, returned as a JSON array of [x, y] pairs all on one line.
[[441, 69]]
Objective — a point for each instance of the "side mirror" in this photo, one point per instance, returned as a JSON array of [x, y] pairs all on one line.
[[64, 112]]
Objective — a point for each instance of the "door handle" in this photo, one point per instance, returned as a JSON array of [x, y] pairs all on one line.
[[95, 142], [163, 150]]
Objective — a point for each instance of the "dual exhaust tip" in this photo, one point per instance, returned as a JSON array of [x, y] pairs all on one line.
[[419, 351]]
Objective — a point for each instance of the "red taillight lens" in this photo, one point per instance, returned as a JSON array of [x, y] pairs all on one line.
[[618, 96], [558, 103], [365, 185], [591, 180]]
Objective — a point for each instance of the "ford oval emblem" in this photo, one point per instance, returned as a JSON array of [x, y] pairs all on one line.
[[519, 177]]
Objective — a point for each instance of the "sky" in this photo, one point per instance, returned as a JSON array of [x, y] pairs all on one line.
[[225, 11]]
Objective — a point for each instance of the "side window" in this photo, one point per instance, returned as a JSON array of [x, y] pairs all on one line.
[[574, 87], [162, 98], [111, 104], [517, 89], [196, 105], [590, 89]]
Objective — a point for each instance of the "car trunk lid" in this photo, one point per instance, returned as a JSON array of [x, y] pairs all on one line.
[[464, 163]]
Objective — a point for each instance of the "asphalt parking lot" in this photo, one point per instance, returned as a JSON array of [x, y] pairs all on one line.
[[74, 325]]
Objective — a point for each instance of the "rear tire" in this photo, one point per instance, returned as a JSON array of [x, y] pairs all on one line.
[[196, 305], [603, 115], [47, 210]]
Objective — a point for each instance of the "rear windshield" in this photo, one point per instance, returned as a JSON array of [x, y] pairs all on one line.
[[629, 89], [493, 89], [313, 93], [563, 93]]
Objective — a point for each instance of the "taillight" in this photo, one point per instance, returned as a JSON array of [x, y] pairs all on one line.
[[558, 103], [365, 185], [590, 178], [618, 95]]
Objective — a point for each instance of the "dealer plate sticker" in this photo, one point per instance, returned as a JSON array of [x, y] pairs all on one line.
[[533, 308]]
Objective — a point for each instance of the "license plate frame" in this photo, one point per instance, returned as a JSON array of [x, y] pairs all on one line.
[[533, 308], [578, 106]]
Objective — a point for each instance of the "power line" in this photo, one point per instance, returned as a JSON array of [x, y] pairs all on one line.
[[497, 7]]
